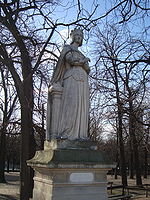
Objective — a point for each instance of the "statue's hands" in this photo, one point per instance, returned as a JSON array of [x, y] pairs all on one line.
[[82, 61]]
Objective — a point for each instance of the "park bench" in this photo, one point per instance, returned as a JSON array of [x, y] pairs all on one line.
[[120, 197], [111, 187], [144, 187]]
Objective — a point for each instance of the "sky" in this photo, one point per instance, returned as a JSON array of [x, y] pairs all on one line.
[[68, 10]]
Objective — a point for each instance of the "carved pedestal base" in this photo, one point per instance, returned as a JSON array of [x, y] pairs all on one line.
[[70, 174]]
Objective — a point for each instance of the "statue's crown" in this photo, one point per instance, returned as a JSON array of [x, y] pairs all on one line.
[[76, 31]]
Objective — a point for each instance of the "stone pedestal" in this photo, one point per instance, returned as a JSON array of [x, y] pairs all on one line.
[[70, 173]]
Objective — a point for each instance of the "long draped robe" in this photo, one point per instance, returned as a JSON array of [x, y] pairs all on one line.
[[74, 106]]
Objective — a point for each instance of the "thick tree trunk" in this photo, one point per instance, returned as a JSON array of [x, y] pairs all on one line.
[[137, 164], [131, 167], [145, 162], [2, 155], [13, 164], [146, 154], [116, 171], [120, 130], [3, 130], [134, 143], [28, 142], [117, 156], [122, 155], [8, 162]]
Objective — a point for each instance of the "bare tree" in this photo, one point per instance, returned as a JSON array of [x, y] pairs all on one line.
[[119, 74], [7, 107]]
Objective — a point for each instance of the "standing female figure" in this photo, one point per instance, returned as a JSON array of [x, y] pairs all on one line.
[[72, 75]]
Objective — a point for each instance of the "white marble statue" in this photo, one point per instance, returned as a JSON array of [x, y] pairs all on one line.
[[68, 101]]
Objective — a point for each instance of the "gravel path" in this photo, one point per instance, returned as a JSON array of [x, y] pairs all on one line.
[[131, 182], [10, 190]]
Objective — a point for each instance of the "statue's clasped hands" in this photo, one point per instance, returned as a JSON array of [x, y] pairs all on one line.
[[83, 61]]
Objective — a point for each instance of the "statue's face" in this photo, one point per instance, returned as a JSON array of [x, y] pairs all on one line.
[[78, 39]]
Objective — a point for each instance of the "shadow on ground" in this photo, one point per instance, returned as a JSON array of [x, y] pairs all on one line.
[[7, 197], [10, 189]]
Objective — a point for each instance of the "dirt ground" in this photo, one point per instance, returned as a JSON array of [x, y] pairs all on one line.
[[137, 195], [10, 190]]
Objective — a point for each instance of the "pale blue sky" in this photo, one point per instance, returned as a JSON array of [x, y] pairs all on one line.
[[68, 13]]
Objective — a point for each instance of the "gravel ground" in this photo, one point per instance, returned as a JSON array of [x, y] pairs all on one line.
[[10, 190], [138, 195]]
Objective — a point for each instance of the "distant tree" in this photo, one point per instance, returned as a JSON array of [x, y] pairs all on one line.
[[121, 77], [13, 151], [7, 106]]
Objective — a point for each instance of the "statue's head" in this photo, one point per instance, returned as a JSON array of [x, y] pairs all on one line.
[[77, 36]]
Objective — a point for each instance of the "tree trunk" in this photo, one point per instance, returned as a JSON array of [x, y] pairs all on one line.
[[116, 171], [8, 162], [27, 139], [120, 130], [27, 152], [117, 156], [131, 167], [134, 143], [146, 154], [2, 155], [3, 129], [122, 154], [137, 165], [13, 164], [145, 162]]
